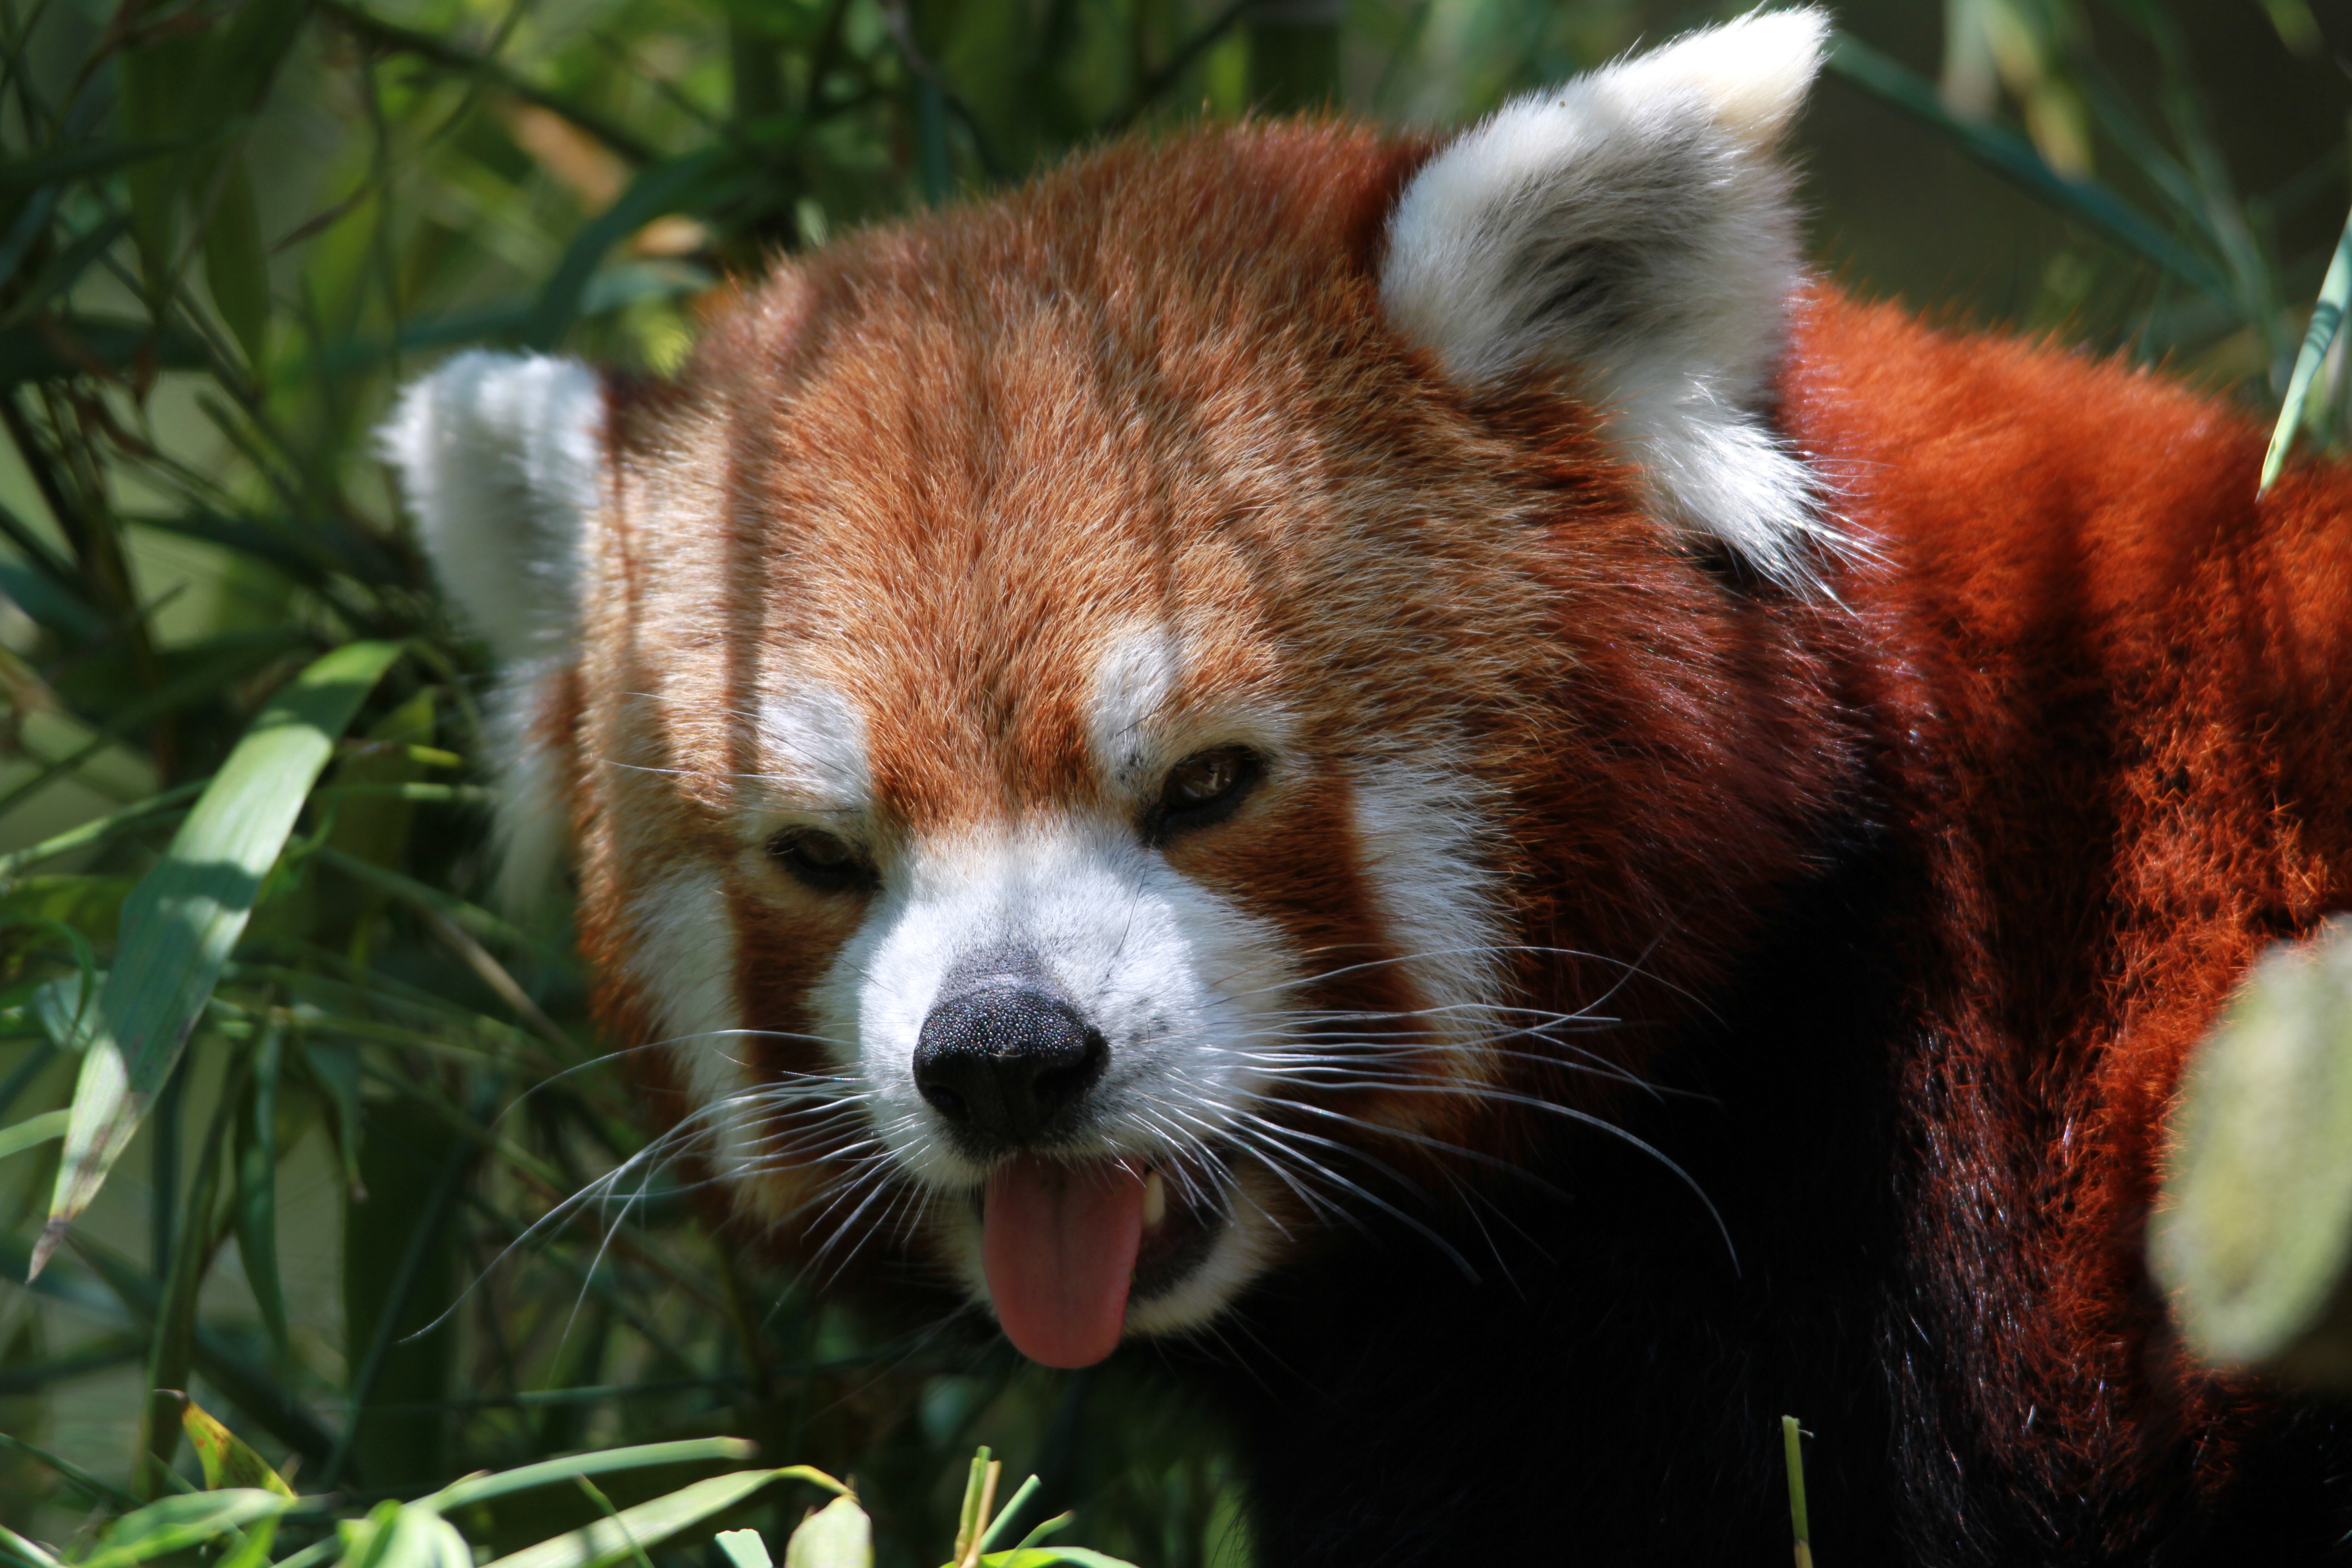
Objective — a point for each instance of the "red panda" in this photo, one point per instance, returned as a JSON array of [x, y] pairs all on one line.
[[1423, 771]]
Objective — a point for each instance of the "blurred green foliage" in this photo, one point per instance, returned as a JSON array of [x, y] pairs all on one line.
[[342, 1110]]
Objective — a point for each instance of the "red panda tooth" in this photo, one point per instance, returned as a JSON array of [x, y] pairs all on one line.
[[1155, 1200]]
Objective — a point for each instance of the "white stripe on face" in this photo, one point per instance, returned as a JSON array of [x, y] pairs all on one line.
[[683, 962], [812, 742], [1136, 675], [1417, 829]]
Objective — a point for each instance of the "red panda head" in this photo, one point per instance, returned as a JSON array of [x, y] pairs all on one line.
[[1080, 715]]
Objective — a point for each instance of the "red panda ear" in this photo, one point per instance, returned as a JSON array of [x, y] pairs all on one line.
[[1633, 231], [501, 459]]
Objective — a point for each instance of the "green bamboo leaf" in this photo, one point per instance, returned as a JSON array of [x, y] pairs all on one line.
[[180, 923], [228, 1460], [257, 1190], [1052, 1557], [744, 1547], [837, 1535], [2327, 320], [549, 1472], [139, 814], [177, 1523], [32, 1132], [236, 258], [605, 1541]]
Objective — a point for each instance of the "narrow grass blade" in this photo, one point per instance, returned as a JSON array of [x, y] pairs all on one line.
[[1792, 1442], [32, 1132], [2327, 320], [2013, 157], [1001, 1527], [549, 1472], [142, 814], [97, 1492], [180, 923], [605, 1541]]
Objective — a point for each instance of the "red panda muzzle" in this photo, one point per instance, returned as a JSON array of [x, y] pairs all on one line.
[[1059, 1243]]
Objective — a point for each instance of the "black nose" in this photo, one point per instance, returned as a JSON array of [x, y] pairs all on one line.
[[1005, 1061]]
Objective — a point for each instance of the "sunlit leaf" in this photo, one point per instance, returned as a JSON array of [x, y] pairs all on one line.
[[744, 1547], [227, 1459], [837, 1535], [604, 1541], [2327, 320], [175, 1523], [185, 917], [551, 1472]]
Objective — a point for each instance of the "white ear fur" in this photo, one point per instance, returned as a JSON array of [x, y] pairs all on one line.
[[1633, 231], [501, 459]]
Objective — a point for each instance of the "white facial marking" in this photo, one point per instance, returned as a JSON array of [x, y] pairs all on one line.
[[1136, 676], [814, 744], [1417, 828], [683, 962]]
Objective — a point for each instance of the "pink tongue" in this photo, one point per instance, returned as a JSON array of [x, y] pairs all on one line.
[[1058, 1243]]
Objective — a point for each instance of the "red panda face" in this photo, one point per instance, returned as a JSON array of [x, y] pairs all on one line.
[[1070, 710]]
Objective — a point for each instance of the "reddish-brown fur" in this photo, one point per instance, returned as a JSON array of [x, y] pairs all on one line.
[[2096, 690]]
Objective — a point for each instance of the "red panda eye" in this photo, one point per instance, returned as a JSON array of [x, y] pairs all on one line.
[[1204, 788], [824, 861]]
